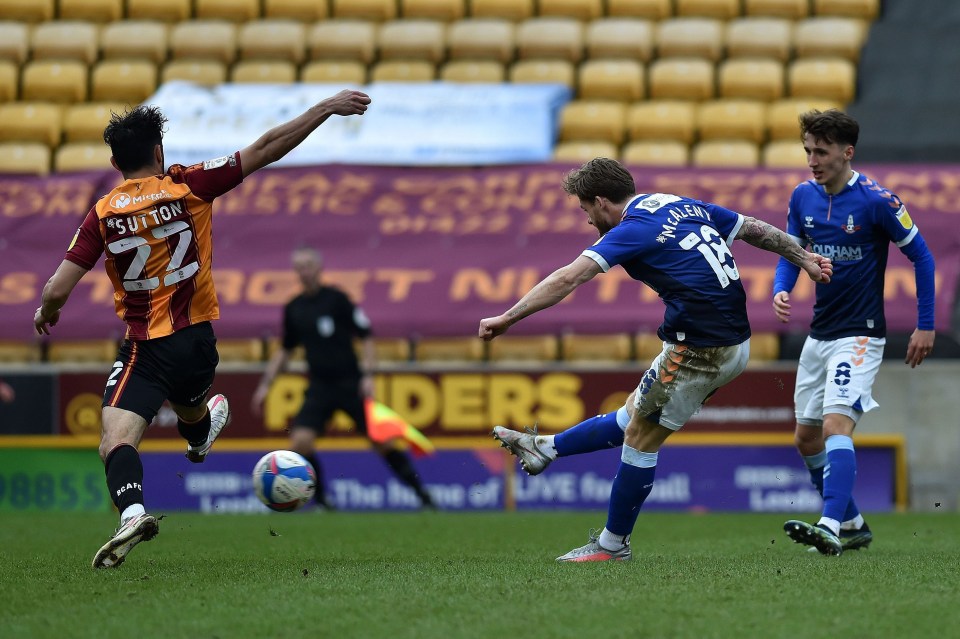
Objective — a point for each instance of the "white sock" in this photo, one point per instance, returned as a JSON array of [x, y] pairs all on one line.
[[853, 524], [131, 511], [545, 444], [832, 524], [613, 542]]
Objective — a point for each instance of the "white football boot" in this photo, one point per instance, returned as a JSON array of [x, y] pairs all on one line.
[[219, 409], [142, 527]]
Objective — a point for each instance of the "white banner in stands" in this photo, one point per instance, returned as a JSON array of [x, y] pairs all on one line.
[[408, 124]]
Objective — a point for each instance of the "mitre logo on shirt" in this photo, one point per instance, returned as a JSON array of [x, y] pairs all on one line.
[[120, 200]]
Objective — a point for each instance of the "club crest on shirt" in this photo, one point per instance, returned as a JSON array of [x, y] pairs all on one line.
[[850, 227]]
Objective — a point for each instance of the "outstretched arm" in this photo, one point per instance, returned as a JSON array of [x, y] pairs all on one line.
[[770, 238], [55, 295], [280, 140]]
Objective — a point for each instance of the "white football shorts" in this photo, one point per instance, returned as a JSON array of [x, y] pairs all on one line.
[[836, 377]]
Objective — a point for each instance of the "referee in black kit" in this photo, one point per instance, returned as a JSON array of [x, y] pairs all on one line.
[[324, 321]]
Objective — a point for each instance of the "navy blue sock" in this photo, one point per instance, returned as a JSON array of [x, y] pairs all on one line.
[[630, 489], [839, 476], [597, 433]]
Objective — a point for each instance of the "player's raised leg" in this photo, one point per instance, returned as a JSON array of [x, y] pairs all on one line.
[[200, 433]]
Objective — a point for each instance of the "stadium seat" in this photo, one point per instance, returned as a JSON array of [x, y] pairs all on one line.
[[81, 156], [65, 40], [550, 38], [829, 37], [764, 347], [725, 154], [14, 41], [240, 350], [508, 9], [753, 78], [272, 40], [233, 10], [29, 158], [732, 119], [681, 79], [92, 10], [662, 120], [719, 9], [448, 349], [347, 72], [647, 346], [264, 71], [863, 9], [584, 10], [388, 349], [656, 153], [339, 39], [592, 121], [413, 40], [465, 71], [596, 348], [130, 81], [77, 351], [303, 10], [543, 71], [760, 38], [203, 72], [19, 352], [365, 9], [482, 40], [166, 11], [9, 80], [620, 38], [620, 80], [403, 71], [524, 348], [445, 10], [690, 37], [30, 122], [784, 154], [85, 122], [204, 40], [825, 78], [648, 9], [790, 9], [26, 10], [55, 81], [135, 39], [580, 152], [782, 116]]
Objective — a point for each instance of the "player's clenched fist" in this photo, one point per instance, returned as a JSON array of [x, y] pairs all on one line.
[[348, 102]]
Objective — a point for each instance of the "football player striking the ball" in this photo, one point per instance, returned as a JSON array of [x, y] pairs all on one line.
[[155, 229], [851, 219], [680, 248]]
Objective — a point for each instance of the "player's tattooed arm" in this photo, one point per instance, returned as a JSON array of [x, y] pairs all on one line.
[[770, 238]]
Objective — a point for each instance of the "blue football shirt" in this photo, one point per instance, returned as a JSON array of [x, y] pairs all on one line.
[[681, 249]]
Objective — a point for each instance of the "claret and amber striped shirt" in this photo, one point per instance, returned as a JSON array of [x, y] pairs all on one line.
[[157, 236]]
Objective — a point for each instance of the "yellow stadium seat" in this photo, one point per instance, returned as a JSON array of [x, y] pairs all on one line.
[[592, 121], [543, 71], [656, 153], [347, 72], [144, 39], [760, 38], [790, 9], [739, 154], [690, 37], [784, 154], [764, 347], [388, 349], [620, 38], [445, 10], [732, 119], [26, 10], [448, 349], [303, 10], [482, 39], [63, 39], [830, 37], [19, 352], [825, 78], [465, 71], [14, 41], [272, 39], [240, 350], [413, 40], [350, 39], [55, 81], [166, 11], [783, 116], [580, 9], [86, 122], [581, 151], [81, 156], [30, 122], [82, 351], [234, 10], [863, 9], [204, 40], [596, 348], [123, 80], [681, 79], [550, 38], [203, 72], [753, 78], [662, 120], [647, 346], [403, 71], [524, 348], [93, 10], [365, 9], [508, 9], [720, 9], [29, 158], [602, 79], [264, 71], [649, 9], [8, 81]]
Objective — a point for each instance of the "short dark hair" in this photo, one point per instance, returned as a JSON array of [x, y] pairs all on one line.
[[601, 177], [133, 135], [830, 126]]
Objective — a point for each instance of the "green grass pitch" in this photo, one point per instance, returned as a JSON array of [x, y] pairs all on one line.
[[449, 575]]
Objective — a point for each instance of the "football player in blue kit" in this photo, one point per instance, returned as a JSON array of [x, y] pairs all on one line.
[[680, 248], [851, 219]]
